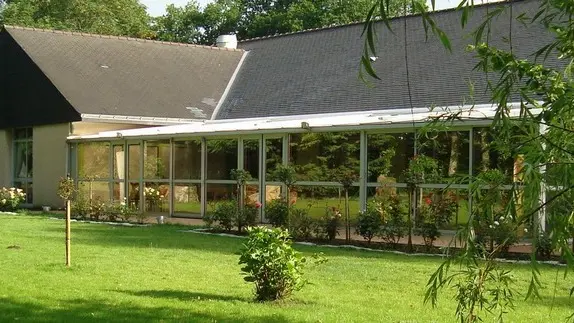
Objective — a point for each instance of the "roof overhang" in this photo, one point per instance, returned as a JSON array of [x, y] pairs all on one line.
[[148, 121], [378, 119]]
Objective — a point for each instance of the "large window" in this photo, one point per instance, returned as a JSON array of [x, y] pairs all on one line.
[[23, 162]]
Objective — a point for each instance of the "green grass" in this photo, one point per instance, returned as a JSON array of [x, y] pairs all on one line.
[[153, 274]]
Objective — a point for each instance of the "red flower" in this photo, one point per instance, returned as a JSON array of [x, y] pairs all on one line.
[[428, 201], [258, 204]]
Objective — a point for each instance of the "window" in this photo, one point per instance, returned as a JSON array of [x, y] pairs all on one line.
[[23, 161]]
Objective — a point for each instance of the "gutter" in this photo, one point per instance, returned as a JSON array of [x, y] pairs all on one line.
[[149, 121]]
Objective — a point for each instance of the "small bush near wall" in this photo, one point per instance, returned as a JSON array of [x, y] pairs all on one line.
[[369, 223], [11, 198], [276, 212], [270, 262], [227, 216]]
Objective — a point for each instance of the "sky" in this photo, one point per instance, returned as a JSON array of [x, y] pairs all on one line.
[[157, 7]]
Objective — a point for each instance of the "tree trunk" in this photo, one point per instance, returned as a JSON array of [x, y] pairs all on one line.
[[68, 222], [453, 163], [347, 222]]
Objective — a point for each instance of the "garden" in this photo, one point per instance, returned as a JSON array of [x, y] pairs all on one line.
[[162, 273]]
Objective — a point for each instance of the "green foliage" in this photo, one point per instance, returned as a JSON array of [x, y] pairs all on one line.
[[302, 225], [108, 17], [328, 226], [544, 246], [241, 176], [422, 169], [394, 216], [271, 263], [66, 188], [369, 222], [227, 216], [437, 210], [10, 198], [276, 212], [285, 174]]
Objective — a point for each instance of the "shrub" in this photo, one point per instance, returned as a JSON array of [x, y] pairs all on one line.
[[224, 214], [500, 232], [369, 223], [276, 212], [81, 207], [394, 216], [11, 198], [245, 217], [329, 224], [302, 225], [97, 209], [543, 244], [270, 262]]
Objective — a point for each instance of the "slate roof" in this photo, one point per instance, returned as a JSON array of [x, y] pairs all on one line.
[[317, 71], [107, 75]]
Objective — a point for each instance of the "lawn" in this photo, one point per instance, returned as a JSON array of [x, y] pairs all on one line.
[[156, 273]]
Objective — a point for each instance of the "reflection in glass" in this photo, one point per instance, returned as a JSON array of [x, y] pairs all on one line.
[[187, 199], [274, 155], [450, 150], [156, 162], [94, 160], [316, 155], [134, 153], [388, 156], [187, 155], [251, 157], [221, 158], [156, 197]]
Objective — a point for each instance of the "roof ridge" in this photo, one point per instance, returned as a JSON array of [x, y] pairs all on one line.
[[83, 34], [334, 26]]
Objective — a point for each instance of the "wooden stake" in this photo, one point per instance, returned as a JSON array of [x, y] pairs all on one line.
[[68, 211]]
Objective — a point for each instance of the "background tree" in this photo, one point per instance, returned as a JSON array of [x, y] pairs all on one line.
[[108, 17]]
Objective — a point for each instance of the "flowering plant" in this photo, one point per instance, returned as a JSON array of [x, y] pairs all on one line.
[[10, 198], [330, 222]]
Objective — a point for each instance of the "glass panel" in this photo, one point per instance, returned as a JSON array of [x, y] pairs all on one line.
[[221, 158], [317, 199], [23, 133], [219, 192], [156, 197], [156, 165], [187, 199], [388, 156], [450, 150], [119, 162], [251, 157], [315, 155], [187, 164], [134, 162], [486, 156], [23, 161], [118, 192], [274, 155], [134, 195], [94, 160], [92, 190]]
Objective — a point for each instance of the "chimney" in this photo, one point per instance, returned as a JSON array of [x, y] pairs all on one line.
[[227, 41]]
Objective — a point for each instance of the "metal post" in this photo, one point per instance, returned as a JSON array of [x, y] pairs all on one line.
[[203, 176], [363, 172], [171, 175], [542, 212], [68, 235], [262, 176]]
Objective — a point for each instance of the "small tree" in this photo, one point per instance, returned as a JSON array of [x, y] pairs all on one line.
[[270, 262], [369, 223], [66, 189], [421, 169], [346, 176], [286, 174]]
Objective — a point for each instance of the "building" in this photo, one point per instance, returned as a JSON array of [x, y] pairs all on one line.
[[130, 117]]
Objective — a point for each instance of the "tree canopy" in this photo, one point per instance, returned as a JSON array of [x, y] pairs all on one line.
[[109, 17]]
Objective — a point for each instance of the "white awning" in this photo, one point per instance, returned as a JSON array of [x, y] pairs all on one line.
[[389, 118]]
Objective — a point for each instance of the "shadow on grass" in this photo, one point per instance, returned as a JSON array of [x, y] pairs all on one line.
[[170, 237], [80, 310], [184, 295]]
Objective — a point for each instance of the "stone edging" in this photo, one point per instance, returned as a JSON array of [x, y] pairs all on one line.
[[502, 260], [123, 224]]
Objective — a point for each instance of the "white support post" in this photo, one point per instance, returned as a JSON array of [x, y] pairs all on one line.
[[542, 212], [203, 189], [285, 159], [262, 176], [141, 175], [171, 175], [240, 153], [363, 172]]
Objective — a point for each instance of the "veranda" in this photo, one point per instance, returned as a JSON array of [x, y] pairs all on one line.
[[184, 170]]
